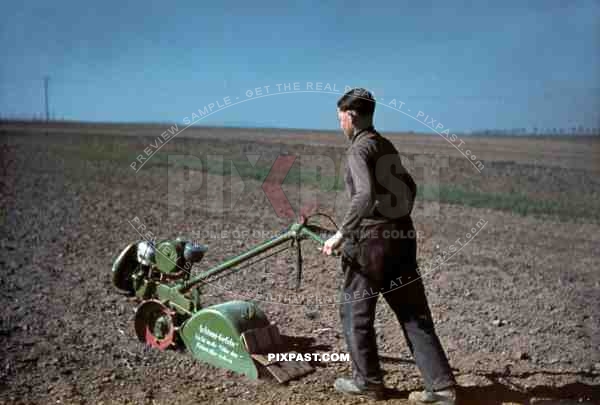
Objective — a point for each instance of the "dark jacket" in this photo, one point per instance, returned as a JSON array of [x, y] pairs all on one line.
[[381, 189]]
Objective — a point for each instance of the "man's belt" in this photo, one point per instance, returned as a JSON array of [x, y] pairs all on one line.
[[378, 221]]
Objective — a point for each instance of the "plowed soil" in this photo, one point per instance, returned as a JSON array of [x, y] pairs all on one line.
[[517, 307]]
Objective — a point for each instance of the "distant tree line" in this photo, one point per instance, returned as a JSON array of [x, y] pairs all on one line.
[[36, 117], [577, 130]]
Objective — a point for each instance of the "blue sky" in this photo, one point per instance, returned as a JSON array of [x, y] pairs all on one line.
[[508, 64]]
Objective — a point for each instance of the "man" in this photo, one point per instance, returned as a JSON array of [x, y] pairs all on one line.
[[380, 256]]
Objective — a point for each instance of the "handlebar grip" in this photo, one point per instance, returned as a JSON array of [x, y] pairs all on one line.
[[335, 253], [314, 236]]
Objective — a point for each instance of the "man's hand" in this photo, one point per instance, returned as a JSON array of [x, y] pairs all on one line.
[[332, 243]]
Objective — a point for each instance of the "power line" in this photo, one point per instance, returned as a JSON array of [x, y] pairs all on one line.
[[46, 80]]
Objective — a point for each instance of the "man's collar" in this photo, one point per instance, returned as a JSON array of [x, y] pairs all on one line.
[[358, 132]]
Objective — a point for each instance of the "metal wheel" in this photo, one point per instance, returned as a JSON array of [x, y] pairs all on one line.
[[155, 324]]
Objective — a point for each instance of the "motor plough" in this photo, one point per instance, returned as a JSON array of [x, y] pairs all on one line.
[[235, 335]]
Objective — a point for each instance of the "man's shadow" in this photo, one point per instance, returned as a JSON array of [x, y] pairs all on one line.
[[498, 393]]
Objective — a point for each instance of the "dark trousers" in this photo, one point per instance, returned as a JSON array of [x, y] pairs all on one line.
[[382, 259]]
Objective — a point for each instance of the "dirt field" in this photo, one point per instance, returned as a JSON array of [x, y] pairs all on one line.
[[517, 308]]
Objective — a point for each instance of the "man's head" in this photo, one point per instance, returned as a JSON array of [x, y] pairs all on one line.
[[355, 110]]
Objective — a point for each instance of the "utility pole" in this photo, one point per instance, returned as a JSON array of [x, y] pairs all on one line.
[[46, 102]]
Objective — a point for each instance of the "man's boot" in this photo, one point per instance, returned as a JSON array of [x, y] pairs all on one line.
[[442, 397], [349, 386]]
